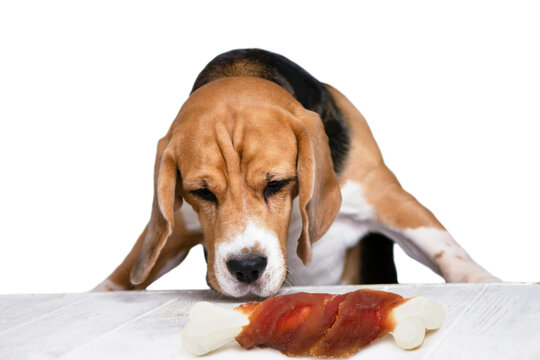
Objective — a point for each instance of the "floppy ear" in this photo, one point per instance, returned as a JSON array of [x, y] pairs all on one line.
[[166, 201], [318, 190]]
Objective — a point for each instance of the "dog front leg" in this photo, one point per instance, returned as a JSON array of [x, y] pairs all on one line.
[[173, 253], [402, 218]]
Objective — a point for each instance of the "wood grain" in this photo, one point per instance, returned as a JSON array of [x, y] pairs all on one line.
[[495, 321]]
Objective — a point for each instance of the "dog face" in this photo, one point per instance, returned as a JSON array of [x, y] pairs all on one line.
[[239, 152], [242, 186]]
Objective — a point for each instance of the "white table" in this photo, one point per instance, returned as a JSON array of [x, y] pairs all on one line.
[[494, 321]]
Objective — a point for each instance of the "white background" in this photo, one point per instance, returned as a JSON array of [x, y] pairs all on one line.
[[451, 91]]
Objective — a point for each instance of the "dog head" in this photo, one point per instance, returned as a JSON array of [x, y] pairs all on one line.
[[240, 150]]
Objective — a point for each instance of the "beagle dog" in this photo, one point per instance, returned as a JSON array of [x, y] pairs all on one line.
[[279, 178]]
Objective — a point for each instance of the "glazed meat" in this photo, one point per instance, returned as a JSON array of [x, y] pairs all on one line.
[[322, 325]]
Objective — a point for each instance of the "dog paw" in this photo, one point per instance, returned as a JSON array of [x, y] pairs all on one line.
[[484, 279], [477, 277], [108, 285]]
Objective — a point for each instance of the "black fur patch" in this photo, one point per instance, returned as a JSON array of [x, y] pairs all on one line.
[[305, 88]]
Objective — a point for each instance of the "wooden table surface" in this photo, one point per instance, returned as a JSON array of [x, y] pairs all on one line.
[[493, 321]]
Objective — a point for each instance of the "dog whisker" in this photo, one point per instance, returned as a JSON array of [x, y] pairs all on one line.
[[292, 278]]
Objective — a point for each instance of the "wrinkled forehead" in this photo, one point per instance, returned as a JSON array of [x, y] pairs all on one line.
[[268, 144], [257, 139]]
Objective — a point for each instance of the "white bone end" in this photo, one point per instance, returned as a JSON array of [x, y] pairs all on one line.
[[211, 327], [413, 318]]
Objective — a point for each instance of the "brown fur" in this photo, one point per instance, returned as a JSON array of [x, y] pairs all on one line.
[[245, 117], [230, 136], [395, 207]]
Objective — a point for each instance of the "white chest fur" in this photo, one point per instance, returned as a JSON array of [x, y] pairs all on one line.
[[328, 254]]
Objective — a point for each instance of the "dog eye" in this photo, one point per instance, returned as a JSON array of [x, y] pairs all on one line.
[[273, 187], [205, 194]]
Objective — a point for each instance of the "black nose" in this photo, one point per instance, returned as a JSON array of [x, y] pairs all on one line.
[[247, 270]]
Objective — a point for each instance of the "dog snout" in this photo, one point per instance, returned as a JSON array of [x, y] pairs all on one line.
[[247, 270]]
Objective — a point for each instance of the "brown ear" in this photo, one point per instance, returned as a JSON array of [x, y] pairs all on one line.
[[318, 190], [166, 202]]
